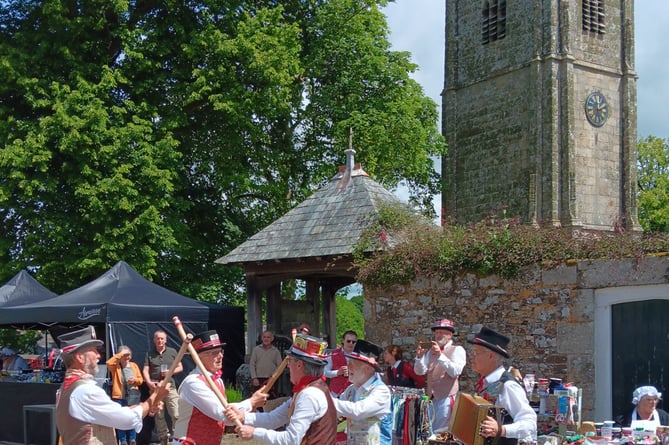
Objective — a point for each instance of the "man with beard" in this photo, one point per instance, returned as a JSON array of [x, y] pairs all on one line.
[[443, 363], [366, 403], [309, 416], [201, 416], [84, 412]]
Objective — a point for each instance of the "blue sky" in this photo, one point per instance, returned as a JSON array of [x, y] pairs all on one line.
[[417, 26]]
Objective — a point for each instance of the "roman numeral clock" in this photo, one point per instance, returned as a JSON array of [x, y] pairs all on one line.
[[596, 109]]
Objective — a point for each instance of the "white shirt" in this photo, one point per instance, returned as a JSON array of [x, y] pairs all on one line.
[[310, 405], [91, 404], [514, 399], [376, 404], [452, 367], [194, 391]]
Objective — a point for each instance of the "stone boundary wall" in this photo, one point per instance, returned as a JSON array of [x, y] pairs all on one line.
[[548, 313]]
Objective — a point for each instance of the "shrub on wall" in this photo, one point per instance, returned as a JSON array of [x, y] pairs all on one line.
[[402, 245]]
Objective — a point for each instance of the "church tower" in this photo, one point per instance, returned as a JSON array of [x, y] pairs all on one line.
[[539, 112]]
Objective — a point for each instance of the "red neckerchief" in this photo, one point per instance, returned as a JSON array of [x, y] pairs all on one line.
[[217, 375], [69, 381], [304, 381], [479, 384], [72, 375]]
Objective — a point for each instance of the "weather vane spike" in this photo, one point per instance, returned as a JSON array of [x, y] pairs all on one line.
[[350, 137]]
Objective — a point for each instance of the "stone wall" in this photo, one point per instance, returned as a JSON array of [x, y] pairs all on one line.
[[549, 313]]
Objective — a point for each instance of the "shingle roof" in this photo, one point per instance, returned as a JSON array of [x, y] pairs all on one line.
[[329, 222]]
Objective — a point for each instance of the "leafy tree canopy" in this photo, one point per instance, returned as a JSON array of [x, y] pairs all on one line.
[[653, 177], [166, 133]]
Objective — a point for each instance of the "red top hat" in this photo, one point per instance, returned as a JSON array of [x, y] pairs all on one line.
[[207, 340], [71, 341], [366, 352], [444, 324], [492, 340], [309, 349]]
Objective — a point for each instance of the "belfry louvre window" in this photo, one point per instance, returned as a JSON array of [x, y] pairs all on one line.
[[593, 16], [493, 21]]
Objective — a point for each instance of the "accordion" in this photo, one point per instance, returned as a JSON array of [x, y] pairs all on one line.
[[468, 413]]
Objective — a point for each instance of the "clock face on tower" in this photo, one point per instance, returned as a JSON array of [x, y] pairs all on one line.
[[596, 109]]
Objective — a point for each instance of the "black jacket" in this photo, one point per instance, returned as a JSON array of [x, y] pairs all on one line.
[[626, 419]]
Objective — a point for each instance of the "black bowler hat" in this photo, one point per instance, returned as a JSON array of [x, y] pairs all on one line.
[[492, 340], [366, 352], [206, 340]]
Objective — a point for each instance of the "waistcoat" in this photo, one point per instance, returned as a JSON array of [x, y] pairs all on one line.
[[74, 431], [440, 384], [340, 383]]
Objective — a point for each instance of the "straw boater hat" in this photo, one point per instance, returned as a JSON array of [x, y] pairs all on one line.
[[207, 340], [492, 340], [309, 349], [72, 341], [444, 324], [366, 352]]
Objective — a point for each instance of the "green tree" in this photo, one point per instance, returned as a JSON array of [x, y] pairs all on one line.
[[653, 177], [349, 318], [165, 134]]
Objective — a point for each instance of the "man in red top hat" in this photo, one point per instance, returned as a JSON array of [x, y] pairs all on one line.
[[84, 412], [201, 414], [309, 416], [498, 386], [443, 363]]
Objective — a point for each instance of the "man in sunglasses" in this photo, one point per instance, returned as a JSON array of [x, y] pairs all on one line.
[[337, 367]]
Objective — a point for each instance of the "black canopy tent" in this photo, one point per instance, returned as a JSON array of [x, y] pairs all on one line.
[[126, 308], [22, 288]]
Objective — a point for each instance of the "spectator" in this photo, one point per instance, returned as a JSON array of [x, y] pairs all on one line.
[[156, 364], [265, 358], [400, 372], [126, 380], [337, 364]]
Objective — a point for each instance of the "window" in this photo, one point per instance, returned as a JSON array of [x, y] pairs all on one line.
[[493, 21], [593, 16]]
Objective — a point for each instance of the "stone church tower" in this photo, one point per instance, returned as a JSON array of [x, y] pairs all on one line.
[[539, 112]]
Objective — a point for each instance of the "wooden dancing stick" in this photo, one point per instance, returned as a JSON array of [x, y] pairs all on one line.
[[272, 380], [203, 370]]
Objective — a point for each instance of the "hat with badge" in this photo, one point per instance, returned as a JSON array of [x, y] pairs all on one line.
[[492, 340], [204, 341], [444, 323], [72, 341], [366, 352], [309, 349]]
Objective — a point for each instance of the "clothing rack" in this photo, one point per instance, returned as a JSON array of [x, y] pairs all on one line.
[[412, 415]]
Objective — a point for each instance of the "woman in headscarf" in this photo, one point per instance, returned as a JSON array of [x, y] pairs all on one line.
[[645, 399]]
